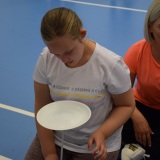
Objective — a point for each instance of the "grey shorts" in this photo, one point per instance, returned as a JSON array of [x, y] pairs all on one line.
[[34, 153]]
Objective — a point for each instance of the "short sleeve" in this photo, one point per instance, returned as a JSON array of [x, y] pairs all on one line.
[[119, 79], [131, 57], [39, 74]]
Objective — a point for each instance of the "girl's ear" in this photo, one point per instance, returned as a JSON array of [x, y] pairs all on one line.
[[83, 33]]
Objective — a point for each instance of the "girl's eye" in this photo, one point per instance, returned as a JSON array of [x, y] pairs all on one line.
[[57, 55], [69, 52]]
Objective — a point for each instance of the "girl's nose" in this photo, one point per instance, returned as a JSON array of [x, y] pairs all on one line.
[[65, 58]]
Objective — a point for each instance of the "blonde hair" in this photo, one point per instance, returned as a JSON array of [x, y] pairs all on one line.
[[153, 14], [60, 22]]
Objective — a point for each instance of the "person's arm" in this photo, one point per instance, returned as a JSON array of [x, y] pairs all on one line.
[[141, 127], [124, 105], [46, 136]]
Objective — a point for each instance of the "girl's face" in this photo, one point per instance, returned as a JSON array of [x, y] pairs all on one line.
[[69, 50], [155, 30]]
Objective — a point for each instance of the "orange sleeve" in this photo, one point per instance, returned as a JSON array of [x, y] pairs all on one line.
[[133, 55], [131, 58]]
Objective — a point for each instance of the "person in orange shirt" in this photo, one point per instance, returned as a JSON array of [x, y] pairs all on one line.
[[143, 60]]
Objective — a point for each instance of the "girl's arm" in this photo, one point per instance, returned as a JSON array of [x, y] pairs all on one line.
[[46, 136], [124, 105]]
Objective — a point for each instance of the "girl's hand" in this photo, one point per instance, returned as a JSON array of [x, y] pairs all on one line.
[[96, 143]]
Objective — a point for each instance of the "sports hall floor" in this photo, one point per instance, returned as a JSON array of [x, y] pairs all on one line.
[[116, 24]]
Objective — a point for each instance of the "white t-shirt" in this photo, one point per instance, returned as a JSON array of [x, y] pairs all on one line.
[[90, 84]]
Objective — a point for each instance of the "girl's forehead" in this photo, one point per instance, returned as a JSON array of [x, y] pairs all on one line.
[[61, 45], [61, 39]]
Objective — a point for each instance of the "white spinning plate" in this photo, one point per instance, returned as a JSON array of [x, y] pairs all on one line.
[[63, 115]]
